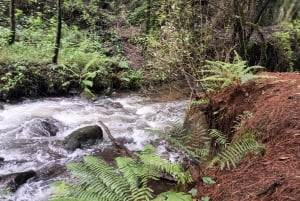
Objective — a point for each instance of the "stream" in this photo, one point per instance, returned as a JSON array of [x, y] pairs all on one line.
[[25, 145]]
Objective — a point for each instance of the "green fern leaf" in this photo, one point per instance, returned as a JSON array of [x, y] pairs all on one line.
[[173, 196], [220, 138], [235, 151]]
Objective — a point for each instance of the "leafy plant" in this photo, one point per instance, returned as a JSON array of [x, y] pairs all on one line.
[[208, 180], [12, 79], [241, 119], [173, 196], [205, 198], [284, 42], [233, 154], [229, 154], [131, 78], [218, 136], [222, 74], [100, 181], [187, 142]]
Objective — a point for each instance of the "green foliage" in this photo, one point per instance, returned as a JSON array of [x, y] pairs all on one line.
[[233, 154], [221, 74], [208, 180], [99, 181], [4, 36], [173, 196], [171, 43], [12, 79], [228, 154], [241, 119], [83, 59], [138, 11], [205, 198], [202, 101], [193, 192], [90, 14], [187, 142], [218, 136], [286, 42], [131, 78]]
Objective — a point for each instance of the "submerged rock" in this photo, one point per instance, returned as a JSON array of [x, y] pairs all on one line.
[[13, 181], [82, 136], [42, 127]]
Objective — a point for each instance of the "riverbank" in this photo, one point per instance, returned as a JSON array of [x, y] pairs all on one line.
[[273, 115]]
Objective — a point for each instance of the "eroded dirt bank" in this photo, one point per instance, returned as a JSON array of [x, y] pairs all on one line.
[[275, 108]]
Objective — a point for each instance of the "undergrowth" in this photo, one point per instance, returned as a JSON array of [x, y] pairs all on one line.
[[85, 61], [219, 74], [97, 180], [211, 146]]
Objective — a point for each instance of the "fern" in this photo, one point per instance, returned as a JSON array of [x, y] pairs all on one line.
[[222, 74], [219, 137], [236, 151], [185, 141], [156, 163], [240, 120], [202, 101], [100, 181]]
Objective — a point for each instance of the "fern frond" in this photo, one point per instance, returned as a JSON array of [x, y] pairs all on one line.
[[96, 177], [178, 144], [219, 137], [240, 119], [65, 199], [202, 101], [153, 161], [98, 181], [221, 74], [236, 151]]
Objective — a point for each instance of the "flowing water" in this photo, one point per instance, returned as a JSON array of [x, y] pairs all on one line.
[[25, 144]]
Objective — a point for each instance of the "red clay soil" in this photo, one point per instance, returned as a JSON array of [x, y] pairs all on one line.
[[275, 106]]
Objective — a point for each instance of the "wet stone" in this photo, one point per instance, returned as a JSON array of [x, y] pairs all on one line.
[[83, 136], [13, 181]]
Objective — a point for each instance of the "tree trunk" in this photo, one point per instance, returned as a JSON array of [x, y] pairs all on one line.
[[148, 16], [58, 31], [12, 22]]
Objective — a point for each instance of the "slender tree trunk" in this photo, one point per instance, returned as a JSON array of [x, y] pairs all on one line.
[[58, 31], [12, 22], [148, 16]]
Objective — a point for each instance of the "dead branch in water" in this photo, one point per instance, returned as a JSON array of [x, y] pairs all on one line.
[[116, 142]]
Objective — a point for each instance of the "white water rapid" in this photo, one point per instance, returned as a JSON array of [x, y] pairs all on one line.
[[23, 148]]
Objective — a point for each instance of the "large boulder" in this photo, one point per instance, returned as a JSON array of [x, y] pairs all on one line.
[[13, 181], [83, 136]]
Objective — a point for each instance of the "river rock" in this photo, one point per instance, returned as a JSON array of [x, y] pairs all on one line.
[[42, 127], [13, 181], [1, 106], [83, 136]]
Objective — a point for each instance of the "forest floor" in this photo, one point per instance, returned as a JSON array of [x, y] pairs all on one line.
[[275, 107]]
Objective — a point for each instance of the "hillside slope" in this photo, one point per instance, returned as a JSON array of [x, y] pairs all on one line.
[[275, 108]]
